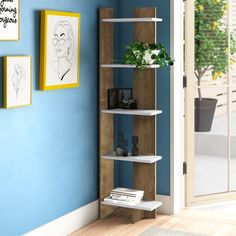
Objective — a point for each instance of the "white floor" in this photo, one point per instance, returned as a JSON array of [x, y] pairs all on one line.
[[226, 208]]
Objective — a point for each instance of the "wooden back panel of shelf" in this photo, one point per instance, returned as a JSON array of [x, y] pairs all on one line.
[[106, 127]]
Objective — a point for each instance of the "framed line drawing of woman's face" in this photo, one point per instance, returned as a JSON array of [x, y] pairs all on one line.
[[60, 50]]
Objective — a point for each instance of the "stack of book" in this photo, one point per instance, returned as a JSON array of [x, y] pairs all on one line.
[[125, 196]]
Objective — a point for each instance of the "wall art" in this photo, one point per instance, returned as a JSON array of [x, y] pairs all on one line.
[[60, 50], [9, 20], [17, 81], [124, 94]]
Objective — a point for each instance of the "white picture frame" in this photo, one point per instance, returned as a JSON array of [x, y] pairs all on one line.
[[17, 81], [9, 20]]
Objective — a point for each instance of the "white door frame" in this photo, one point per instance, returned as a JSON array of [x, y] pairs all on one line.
[[177, 107]]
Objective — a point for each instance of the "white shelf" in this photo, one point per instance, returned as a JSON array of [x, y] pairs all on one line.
[[136, 112], [128, 66], [143, 205], [127, 20], [141, 159]]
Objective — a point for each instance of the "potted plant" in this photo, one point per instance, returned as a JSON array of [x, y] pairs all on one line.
[[142, 54], [211, 54]]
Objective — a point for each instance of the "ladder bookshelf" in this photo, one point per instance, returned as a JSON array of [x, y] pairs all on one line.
[[144, 119]]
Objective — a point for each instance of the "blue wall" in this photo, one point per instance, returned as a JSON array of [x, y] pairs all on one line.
[[48, 152], [163, 93]]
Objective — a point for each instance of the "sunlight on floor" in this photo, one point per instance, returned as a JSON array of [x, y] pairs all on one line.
[[223, 208]]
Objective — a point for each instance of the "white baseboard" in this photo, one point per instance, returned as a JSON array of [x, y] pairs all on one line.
[[166, 205], [68, 223]]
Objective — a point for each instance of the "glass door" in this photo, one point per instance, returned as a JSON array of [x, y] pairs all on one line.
[[210, 98]]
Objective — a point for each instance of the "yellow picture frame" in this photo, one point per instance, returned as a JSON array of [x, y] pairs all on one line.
[[9, 86], [18, 26], [51, 77]]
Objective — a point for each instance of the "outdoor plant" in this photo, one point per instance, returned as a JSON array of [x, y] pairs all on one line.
[[142, 54], [211, 40]]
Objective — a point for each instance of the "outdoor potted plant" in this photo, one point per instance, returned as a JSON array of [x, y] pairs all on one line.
[[142, 54], [211, 54]]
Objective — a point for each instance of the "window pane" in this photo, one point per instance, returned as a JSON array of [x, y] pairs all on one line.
[[233, 141], [233, 40], [211, 142], [211, 42]]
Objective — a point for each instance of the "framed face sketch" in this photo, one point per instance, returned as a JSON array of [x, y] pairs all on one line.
[[17, 81], [60, 50], [9, 20]]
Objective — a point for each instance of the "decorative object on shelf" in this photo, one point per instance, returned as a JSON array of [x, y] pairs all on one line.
[[124, 94], [10, 20], [122, 145], [142, 54], [121, 98], [112, 98], [135, 150], [125, 148], [130, 104], [17, 81], [119, 143], [125, 99], [60, 50], [119, 152], [125, 196]]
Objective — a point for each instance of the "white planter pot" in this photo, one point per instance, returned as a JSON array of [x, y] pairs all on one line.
[[148, 56]]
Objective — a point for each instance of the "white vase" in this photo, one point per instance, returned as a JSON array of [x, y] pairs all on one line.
[[148, 56]]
